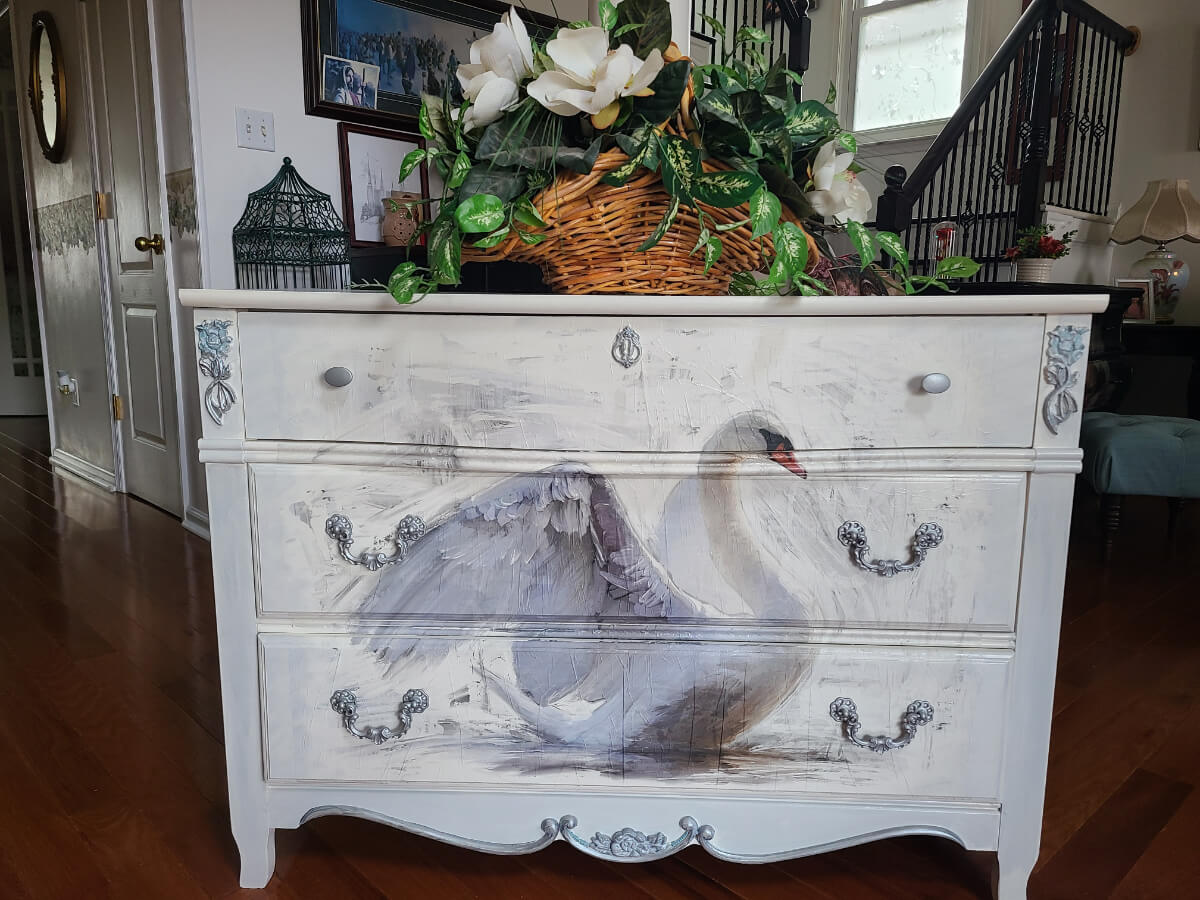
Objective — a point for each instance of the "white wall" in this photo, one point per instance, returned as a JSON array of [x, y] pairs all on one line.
[[1159, 127], [247, 54]]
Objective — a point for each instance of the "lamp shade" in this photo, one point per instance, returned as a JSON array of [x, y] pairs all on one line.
[[1166, 212]]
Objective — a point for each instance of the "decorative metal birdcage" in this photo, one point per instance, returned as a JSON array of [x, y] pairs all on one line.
[[290, 237]]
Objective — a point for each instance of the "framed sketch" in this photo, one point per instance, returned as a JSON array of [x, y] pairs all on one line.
[[1141, 310], [371, 159], [370, 61]]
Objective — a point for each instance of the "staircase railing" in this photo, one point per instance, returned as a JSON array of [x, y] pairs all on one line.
[[786, 22], [1037, 128]]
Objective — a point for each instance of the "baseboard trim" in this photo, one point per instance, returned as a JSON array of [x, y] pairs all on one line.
[[67, 463], [195, 520]]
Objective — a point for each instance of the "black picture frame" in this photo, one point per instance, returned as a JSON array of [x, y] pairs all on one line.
[[351, 201], [391, 108]]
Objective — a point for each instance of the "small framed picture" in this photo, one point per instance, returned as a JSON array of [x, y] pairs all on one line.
[[704, 49], [1141, 309], [371, 185], [348, 82]]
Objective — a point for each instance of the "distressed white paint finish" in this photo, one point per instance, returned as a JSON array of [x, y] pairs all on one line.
[[545, 382], [797, 827], [727, 541], [638, 305], [673, 717], [596, 705]]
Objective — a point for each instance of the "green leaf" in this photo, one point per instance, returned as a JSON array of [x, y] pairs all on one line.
[[831, 94], [765, 210], [847, 141], [680, 166], [527, 214], [403, 290], [918, 283], [717, 105], [493, 239], [786, 189], [749, 35], [403, 270], [625, 29], [485, 178], [892, 245], [412, 159], [791, 247], [619, 176], [445, 251], [716, 25], [439, 122], [957, 267], [726, 189], [731, 226], [712, 252], [667, 219], [458, 171], [864, 244], [810, 122], [480, 213], [608, 15], [424, 123], [744, 284], [654, 16], [531, 238], [668, 87]]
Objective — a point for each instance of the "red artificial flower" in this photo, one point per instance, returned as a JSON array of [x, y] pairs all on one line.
[[1012, 252]]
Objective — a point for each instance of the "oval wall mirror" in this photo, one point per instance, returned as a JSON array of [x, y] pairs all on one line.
[[47, 87]]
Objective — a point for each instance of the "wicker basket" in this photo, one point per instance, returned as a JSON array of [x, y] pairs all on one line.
[[595, 230]]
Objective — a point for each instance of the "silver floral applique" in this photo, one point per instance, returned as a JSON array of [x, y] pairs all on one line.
[[212, 345], [1066, 346]]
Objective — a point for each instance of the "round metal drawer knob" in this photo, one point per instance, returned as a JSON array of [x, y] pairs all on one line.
[[338, 376], [935, 383]]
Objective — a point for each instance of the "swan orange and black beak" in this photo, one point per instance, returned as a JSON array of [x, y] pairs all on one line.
[[780, 450]]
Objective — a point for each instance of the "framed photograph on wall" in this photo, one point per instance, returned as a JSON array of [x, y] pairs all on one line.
[[1141, 309], [371, 159], [370, 61]]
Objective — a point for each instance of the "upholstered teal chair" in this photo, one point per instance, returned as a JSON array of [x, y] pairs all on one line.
[[1143, 455]]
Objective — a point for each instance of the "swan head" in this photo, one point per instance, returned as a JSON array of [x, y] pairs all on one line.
[[756, 433]]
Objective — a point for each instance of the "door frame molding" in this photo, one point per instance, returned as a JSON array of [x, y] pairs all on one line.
[[20, 64]]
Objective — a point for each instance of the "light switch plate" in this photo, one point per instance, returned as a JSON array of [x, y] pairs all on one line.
[[255, 129]]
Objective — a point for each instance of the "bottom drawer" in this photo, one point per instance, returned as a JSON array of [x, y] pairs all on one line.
[[635, 714]]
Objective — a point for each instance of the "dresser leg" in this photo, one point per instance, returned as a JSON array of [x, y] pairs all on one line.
[[1009, 880], [258, 857]]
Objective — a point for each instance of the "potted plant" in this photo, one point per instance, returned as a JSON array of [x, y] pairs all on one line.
[[618, 166], [1036, 250]]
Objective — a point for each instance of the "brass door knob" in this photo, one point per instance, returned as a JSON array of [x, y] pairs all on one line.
[[150, 244]]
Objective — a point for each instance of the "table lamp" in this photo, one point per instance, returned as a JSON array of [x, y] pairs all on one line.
[[1166, 212]]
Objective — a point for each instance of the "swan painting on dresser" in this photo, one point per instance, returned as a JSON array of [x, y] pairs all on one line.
[[559, 544]]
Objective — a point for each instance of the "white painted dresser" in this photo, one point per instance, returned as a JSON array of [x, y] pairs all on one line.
[[769, 575]]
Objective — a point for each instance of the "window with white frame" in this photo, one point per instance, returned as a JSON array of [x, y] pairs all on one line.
[[904, 68]]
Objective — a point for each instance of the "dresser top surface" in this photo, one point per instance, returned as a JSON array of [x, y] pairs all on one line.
[[637, 305]]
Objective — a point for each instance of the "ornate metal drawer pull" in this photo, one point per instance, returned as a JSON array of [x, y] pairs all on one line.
[[410, 530], [627, 347], [628, 844], [854, 536], [919, 712], [345, 704]]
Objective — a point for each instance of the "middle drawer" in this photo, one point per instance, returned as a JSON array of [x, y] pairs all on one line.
[[574, 543]]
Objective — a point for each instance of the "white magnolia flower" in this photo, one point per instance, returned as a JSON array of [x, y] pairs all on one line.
[[499, 62], [837, 193], [588, 77], [491, 94]]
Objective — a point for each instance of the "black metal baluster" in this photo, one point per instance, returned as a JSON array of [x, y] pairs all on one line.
[[1082, 122], [1104, 108]]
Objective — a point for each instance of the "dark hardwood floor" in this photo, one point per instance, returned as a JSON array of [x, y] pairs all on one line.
[[112, 767]]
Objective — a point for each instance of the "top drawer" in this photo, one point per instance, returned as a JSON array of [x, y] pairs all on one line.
[[681, 384]]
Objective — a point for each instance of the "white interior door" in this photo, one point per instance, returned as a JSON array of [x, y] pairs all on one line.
[[22, 384], [141, 304]]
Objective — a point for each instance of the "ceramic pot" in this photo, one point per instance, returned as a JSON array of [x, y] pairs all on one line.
[[400, 223], [1036, 270]]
